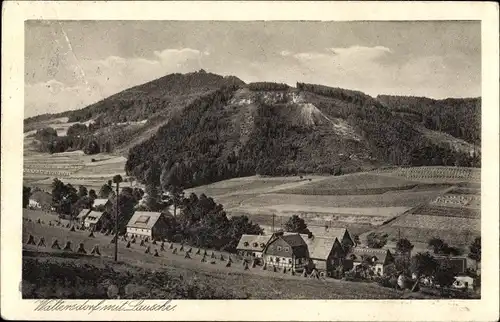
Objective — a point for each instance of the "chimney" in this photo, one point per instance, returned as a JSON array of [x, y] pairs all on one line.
[[310, 235]]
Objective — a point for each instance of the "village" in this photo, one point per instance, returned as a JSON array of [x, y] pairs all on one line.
[[340, 255]]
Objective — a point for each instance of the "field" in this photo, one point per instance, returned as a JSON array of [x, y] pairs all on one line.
[[77, 168], [453, 217], [434, 174], [357, 184], [253, 283], [72, 167]]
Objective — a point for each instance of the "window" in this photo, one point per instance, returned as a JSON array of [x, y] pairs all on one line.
[[277, 260], [255, 244], [289, 261], [287, 249], [279, 248], [245, 243], [142, 220], [253, 254]]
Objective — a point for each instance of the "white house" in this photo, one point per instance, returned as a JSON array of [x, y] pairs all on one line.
[[379, 259], [464, 282], [148, 224], [252, 245], [104, 203], [33, 204]]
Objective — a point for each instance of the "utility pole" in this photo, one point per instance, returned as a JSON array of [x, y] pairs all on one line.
[[273, 224], [117, 179], [116, 221]]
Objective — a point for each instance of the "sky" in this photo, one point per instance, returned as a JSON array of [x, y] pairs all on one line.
[[71, 64]]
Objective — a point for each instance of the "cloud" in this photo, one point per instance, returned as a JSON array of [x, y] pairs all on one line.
[[379, 70], [88, 81], [361, 51], [176, 57], [53, 97]]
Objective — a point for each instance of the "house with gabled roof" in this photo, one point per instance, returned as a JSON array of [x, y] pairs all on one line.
[[148, 224], [82, 215], [342, 234], [377, 259], [93, 220], [325, 253], [286, 250], [102, 205], [252, 245]]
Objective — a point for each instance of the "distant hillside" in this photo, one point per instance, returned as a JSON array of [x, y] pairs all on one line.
[[201, 128], [460, 118]]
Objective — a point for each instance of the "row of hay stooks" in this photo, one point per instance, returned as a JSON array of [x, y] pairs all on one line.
[[326, 255]]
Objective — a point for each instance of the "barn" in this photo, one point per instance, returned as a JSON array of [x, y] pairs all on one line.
[[286, 250], [325, 253], [148, 224]]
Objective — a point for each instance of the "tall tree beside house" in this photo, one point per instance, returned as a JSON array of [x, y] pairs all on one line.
[[92, 195], [26, 196], [126, 205], [403, 254], [444, 275], [138, 194], [153, 199], [84, 202], [356, 240], [63, 197], [105, 191], [437, 245], [239, 225], [82, 191], [376, 240], [175, 196], [295, 224], [440, 247], [475, 251], [171, 181], [424, 264]]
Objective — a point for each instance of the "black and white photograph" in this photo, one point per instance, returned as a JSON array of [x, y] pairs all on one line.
[[251, 160]]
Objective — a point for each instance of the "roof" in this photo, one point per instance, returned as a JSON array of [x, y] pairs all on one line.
[[294, 240], [253, 242], [100, 202], [83, 213], [319, 247], [93, 217], [361, 252], [338, 233], [144, 219]]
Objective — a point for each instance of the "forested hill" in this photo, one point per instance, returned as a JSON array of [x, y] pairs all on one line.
[[460, 118], [147, 101], [274, 129], [200, 127]]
